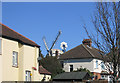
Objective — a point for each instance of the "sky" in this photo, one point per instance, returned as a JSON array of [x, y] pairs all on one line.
[[37, 19]]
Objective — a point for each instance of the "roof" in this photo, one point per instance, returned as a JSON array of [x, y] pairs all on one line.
[[72, 76], [43, 70], [13, 35], [82, 52]]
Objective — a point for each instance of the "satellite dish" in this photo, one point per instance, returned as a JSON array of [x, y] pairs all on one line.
[[63, 46]]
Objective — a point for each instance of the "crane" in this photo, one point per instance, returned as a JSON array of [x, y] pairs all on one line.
[[49, 52]]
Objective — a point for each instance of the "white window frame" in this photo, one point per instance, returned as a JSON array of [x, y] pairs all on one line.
[[27, 75], [15, 59]]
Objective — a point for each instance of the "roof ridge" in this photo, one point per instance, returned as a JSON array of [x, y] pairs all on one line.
[[19, 33], [73, 48], [88, 51]]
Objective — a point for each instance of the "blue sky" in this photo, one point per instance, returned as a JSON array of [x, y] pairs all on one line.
[[37, 19]]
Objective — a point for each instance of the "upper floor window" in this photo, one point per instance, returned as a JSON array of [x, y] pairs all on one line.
[[96, 63], [102, 65], [71, 68], [15, 59]]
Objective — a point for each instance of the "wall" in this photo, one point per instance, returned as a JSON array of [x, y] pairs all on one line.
[[30, 60], [90, 64], [99, 69], [8, 47], [1, 61], [0, 68], [21, 62], [27, 58], [77, 63]]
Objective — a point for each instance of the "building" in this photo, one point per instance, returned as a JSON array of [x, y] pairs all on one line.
[[56, 52], [84, 56], [45, 74], [18, 57]]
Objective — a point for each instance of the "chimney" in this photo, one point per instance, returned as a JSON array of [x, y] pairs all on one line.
[[87, 42]]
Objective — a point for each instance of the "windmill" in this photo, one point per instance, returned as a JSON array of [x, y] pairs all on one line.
[[49, 52], [63, 46]]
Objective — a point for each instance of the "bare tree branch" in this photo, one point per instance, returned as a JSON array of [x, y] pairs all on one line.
[[105, 21]]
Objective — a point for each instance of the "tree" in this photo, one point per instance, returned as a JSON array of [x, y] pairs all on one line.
[[106, 36], [52, 64]]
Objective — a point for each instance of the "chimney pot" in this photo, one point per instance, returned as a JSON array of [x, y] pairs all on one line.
[[87, 42]]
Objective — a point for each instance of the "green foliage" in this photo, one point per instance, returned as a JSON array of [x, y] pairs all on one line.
[[84, 69], [52, 64]]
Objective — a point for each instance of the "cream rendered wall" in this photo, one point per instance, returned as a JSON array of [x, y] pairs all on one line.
[[30, 60], [21, 62], [1, 63], [37, 76], [0, 68], [27, 58], [9, 73]]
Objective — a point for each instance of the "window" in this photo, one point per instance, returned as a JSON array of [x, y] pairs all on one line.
[[102, 66], [28, 75], [15, 59], [102, 77], [71, 68], [96, 64]]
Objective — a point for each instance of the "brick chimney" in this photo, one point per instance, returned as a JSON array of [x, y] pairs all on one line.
[[87, 42]]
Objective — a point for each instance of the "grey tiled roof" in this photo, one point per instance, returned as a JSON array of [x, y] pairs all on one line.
[[81, 52], [72, 75]]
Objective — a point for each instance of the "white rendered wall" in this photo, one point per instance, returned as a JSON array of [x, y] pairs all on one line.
[[90, 64]]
